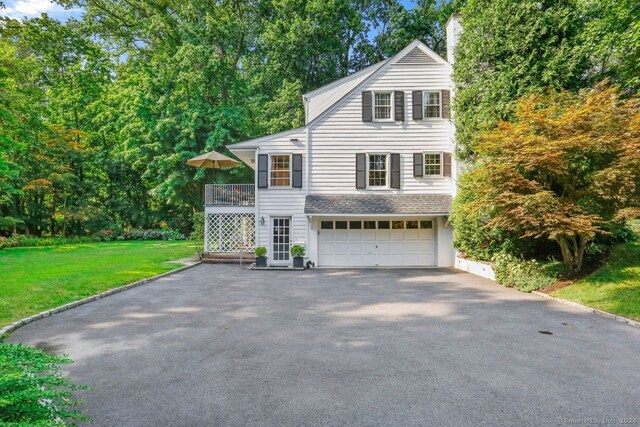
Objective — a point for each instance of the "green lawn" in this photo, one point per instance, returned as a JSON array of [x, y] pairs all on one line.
[[39, 278], [615, 287]]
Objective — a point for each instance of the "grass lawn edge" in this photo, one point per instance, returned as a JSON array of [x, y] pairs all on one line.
[[7, 330], [586, 308]]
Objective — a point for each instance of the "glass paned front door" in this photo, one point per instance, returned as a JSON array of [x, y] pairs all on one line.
[[281, 239]]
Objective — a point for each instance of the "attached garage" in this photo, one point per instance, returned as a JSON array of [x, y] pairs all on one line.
[[376, 243], [382, 230]]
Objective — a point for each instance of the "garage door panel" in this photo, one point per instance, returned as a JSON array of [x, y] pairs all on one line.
[[369, 248], [341, 248], [411, 245], [383, 235], [376, 247], [369, 235]]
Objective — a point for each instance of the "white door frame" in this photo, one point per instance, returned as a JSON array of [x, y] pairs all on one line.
[[272, 260]]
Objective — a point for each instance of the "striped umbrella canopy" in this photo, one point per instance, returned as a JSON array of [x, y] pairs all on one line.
[[213, 160]]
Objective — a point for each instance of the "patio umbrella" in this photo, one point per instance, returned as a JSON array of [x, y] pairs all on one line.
[[212, 160]]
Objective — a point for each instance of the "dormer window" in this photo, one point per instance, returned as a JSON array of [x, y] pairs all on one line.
[[382, 105], [432, 105]]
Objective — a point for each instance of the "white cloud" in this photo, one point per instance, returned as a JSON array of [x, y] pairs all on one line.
[[30, 8]]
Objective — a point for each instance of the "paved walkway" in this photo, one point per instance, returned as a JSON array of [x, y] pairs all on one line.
[[219, 345]]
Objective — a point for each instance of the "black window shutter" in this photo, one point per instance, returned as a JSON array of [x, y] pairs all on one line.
[[296, 179], [367, 111], [416, 101], [399, 105], [446, 164], [418, 165], [446, 104], [263, 170], [361, 171], [395, 170]]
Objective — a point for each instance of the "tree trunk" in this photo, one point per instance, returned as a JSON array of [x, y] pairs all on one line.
[[572, 249]]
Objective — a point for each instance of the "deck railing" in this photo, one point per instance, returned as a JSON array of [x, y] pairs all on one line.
[[230, 194]]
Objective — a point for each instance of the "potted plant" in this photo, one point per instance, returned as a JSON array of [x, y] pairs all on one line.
[[261, 256], [297, 251]]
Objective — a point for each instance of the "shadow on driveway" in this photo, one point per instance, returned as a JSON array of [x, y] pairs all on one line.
[[220, 345]]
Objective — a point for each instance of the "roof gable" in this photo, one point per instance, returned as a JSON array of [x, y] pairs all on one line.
[[417, 56], [315, 102], [423, 51]]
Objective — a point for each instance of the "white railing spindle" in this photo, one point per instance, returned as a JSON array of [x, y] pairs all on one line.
[[229, 194]]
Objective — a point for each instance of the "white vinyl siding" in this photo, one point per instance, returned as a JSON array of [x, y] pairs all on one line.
[[336, 137], [333, 141], [282, 202]]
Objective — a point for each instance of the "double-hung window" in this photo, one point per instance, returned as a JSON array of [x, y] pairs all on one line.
[[433, 164], [382, 106], [377, 170], [280, 171], [432, 105]]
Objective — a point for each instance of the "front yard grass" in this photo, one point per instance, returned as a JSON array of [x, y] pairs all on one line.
[[614, 288], [35, 279]]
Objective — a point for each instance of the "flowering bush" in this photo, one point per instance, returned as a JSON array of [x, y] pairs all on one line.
[[111, 234]]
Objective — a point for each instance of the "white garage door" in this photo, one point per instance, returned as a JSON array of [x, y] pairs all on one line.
[[362, 243]]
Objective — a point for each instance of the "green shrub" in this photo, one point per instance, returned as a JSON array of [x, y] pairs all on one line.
[[24, 241], [525, 275], [470, 236], [33, 390], [297, 250], [197, 231], [261, 251]]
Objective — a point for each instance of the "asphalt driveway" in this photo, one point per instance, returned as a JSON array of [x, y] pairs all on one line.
[[219, 345]]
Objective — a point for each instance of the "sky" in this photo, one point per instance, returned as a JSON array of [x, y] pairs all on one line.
[[30, 8]]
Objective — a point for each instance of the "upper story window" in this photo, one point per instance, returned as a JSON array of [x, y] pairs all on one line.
[[431, 104], [382, 106], [377, 170], [280, 171], [433, 164]]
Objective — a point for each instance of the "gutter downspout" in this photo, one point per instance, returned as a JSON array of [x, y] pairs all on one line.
[[307, 173], [256, 210]]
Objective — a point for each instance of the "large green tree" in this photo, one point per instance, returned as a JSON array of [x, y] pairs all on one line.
[[611, 40], [507, 50], [566, 168]]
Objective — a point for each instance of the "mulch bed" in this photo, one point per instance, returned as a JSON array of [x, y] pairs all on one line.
[[558, 285]]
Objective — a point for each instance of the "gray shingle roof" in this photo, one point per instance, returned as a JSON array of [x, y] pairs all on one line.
[[418, 204]]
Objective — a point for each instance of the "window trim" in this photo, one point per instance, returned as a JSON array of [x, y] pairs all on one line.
[[386, 170], [282, 187], [425, 98], [373, 106], [424, 165]]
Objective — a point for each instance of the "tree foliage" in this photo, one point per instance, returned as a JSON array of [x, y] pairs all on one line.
[[507, 50], [99, 115], [564, 168]]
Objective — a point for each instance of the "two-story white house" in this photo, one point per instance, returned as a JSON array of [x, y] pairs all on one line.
[[368, 181]]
